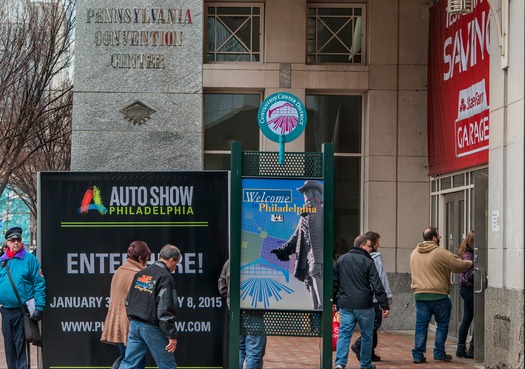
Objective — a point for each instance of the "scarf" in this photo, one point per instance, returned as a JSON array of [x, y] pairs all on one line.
[[11, 254]]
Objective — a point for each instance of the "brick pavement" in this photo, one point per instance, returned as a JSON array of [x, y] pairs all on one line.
[[394, 349], [303, 353]]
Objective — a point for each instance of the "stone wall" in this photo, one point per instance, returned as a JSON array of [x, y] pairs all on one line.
[[504, 328], [138, 85], [403, 310]]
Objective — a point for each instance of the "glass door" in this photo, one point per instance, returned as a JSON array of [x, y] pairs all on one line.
[[454, 232], [480, 261]]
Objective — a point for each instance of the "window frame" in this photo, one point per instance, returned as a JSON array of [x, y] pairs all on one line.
[[318, 4], [259, 5], [360, 156], [226, 92]]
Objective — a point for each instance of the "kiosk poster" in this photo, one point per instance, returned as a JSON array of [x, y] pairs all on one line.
[[88, 221], [282, 244]]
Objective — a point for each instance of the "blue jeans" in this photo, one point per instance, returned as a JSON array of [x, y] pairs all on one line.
[[441, 310], [122, 351], [378, 320], [349, 318], [251, 349], [467, 294], [143, 336]]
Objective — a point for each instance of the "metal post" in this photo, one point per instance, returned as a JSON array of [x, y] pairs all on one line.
[[235, 253], [328, 205]]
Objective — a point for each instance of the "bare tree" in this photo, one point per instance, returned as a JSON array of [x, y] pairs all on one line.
[[53, 154], [35, 91]]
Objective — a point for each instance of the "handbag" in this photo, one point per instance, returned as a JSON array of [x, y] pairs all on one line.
[[336, 323], [116, 363], [31, 329]]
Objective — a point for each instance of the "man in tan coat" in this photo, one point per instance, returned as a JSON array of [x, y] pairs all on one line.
[[431, 266]]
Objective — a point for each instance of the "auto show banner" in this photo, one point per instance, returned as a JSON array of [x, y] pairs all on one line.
[[281, 244], [458, 88], [88, 220]]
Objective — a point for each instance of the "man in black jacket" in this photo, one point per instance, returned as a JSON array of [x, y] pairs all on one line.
[[356, 281], [151, 306]]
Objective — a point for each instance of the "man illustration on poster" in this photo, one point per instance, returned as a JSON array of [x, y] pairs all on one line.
[[307, 242]]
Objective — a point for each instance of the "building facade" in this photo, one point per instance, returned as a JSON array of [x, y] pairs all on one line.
[[361, 69]]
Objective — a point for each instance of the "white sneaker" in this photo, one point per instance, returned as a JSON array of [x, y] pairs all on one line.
[[339, 366]]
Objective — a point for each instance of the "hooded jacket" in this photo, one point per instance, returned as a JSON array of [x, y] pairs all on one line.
[[431, 266], [378, 261]]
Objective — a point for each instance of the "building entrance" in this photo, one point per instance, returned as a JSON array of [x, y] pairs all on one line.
[[459, 203], [480, 211], [454, 232]]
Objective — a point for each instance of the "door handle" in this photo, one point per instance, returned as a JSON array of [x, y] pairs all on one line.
[[479, 277]]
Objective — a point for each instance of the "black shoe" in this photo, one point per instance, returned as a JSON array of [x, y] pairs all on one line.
[[420, 361], [357, 351], [464, 354], [376, 357], [446, 358]]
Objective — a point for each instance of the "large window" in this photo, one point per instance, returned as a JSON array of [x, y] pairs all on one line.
[[229, 118], [337, 119], [234, 32], [458, 183], [336, 33]]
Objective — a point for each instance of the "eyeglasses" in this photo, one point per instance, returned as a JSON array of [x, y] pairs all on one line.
[[14, 239]]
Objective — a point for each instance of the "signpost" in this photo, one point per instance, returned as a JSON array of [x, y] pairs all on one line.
[[282, 118]]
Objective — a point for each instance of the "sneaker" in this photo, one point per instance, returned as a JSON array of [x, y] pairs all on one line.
[[420, 361], [339, 366], [445, 358], [357, 351], [376, 357]]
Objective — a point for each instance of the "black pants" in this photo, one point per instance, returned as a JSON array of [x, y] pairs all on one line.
[[467, 294], [16, 347], [378, 320]]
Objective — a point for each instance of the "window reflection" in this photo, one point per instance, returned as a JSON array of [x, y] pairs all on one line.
[[333, 119], [229, 118]]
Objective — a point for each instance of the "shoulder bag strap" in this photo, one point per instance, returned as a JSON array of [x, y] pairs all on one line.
[[14, 288]]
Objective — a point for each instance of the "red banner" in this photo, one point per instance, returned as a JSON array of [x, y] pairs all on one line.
[[458, 88]]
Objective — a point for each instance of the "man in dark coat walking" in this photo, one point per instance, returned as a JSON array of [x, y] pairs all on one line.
[[356, 281]]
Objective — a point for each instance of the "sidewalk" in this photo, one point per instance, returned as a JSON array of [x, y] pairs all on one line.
[[395, 349], [303, 353]]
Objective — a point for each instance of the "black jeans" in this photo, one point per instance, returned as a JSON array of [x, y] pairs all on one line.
[[467, 294], [16, 347]]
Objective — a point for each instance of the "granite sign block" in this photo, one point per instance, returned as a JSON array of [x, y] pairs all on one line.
[[137, 82]]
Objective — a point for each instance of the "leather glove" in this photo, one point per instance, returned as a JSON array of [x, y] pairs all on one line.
[[37, 315], [281, 254]]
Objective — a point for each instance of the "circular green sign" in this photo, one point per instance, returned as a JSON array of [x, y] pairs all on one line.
[[282, 114]]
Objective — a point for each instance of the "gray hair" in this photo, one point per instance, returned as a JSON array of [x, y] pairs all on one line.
[[361, 240], [168, 252]]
